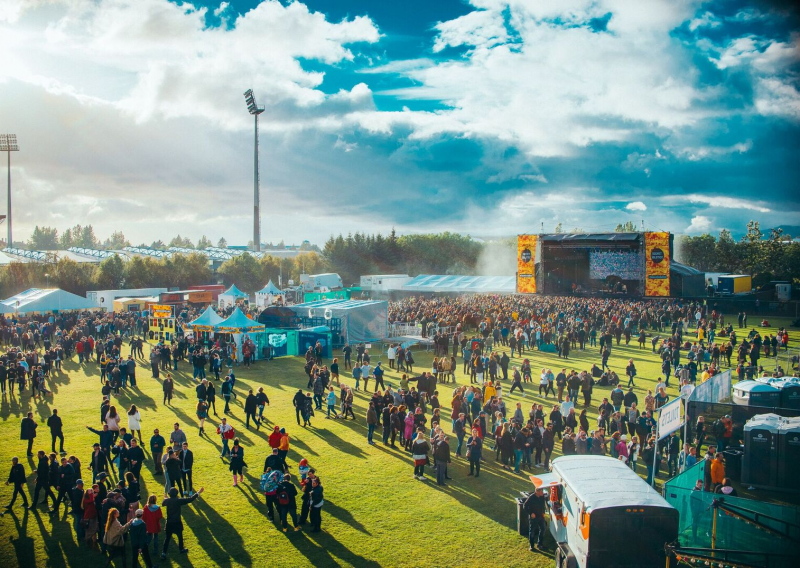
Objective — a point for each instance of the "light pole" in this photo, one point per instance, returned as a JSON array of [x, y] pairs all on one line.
[[8, 144], [255, 110]]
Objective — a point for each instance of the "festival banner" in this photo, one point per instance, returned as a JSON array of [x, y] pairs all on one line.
[[656, 264], [526, 264]]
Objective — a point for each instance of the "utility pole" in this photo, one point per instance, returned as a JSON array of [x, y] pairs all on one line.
[[255, 110], [8, 144]]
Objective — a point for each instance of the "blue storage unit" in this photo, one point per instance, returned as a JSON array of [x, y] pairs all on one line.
[[308, 338]]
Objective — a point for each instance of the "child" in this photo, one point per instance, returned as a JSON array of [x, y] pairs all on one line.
[[303, 470]]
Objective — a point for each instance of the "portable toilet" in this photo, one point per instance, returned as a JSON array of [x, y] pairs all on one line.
[[754, 393], [760, 463], [789, 454], [790, 394]]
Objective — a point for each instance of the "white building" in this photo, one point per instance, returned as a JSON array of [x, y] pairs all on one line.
[[383, 282], [105, 298]]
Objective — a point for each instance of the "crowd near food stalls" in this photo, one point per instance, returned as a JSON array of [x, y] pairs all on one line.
[[107, 299], [232, 297], [46, 300], [358, 321], [269, 295], [239, 327]]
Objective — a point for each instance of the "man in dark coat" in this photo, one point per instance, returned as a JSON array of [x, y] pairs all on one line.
[[17, 477], [66, 479], [99, 461], [42, 480], [174, 525], [535, 507], [55, 425], [250, 408], [28, 431]]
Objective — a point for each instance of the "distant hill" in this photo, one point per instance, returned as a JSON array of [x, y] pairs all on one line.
[[793, 230]]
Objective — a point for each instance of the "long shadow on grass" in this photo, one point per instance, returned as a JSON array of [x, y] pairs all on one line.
[[344, 516], [333, 440], [220, 540], [322, 549], [23, 544]]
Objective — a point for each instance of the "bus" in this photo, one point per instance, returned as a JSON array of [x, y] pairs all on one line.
[[603, 515]]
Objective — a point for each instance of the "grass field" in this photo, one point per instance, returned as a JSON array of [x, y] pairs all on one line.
[[375, 513]]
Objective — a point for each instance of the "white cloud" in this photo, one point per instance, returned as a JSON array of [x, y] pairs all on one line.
[[727, 202], [476, 29], [699, 224], [779, 98], [636, 206], [696, 154]]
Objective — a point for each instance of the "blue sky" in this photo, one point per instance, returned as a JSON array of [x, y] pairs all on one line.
[[489, 117]]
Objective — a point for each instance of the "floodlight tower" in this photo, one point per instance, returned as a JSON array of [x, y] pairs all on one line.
[[8, 144], [255, 110]]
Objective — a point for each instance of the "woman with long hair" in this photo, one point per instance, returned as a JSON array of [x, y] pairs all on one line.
[[114, 538], [135, 422], [112, 418], [419, 453], [90, 515], [132, 492]]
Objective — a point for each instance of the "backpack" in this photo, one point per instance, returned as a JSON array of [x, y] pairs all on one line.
[[283, 498]]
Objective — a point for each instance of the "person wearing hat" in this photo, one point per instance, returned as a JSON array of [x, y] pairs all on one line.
[[138, 538], [174, 525], [287, 502]]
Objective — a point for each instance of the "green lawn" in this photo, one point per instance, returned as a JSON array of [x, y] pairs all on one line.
[[375, 512]]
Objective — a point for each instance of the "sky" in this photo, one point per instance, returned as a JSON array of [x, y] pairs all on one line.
[[486, 117]]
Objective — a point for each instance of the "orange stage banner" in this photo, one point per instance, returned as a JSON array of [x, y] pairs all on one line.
[[526, 264], [656, 264]]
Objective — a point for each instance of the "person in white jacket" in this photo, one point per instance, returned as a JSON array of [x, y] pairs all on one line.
[[135, 422]]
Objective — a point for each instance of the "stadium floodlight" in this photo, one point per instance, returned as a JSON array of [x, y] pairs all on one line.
[[255, 110], [8, 144]]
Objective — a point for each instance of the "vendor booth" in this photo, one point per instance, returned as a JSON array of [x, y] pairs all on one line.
[[358, 321], [205, 325], [231, 297], [269, 295], [240, 328]]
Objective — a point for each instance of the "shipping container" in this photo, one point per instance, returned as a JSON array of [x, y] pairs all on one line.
[[734, 284]]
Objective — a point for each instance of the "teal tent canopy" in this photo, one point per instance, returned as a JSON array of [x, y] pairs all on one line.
[[234, 292], [207, 321], [238, 322], [270, 288]]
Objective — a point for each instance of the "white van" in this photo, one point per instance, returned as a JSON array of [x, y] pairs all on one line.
[[603, 515]]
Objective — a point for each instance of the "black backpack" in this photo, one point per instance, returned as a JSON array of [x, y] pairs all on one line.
[[283, 498]]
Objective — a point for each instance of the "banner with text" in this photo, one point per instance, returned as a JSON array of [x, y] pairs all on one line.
[[670, 418], [526, 264], [656, 264]]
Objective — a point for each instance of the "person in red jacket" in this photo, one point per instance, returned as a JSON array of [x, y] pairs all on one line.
[[275, 438], [152, 519]]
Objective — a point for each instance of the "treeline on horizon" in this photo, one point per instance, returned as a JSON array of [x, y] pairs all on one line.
[[767, 257]]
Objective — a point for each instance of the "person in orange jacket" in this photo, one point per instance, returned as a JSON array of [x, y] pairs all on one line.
[[717, 470]]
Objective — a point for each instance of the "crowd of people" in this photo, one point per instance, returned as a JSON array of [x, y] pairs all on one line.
[[111, 513]]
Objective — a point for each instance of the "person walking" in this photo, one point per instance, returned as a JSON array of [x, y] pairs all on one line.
[[261, 402], [28, 432], [227, 390], [168, 386], [135, 422], [630, 370], [250, 407], [226, 433], [174, 525], [55, 425], [42, 481], [331, 401], [16, 477], [138, 538], [152, 518], [237, 462], [201, 410]]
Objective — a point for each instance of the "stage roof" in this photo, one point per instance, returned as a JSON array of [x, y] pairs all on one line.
[[577, 237], [439, 283], [684, 270]]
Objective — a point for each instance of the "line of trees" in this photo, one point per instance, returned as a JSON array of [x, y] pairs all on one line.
[[359, 253], [773, 256]]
